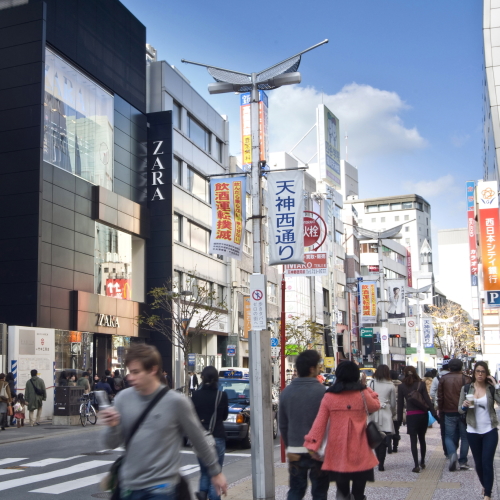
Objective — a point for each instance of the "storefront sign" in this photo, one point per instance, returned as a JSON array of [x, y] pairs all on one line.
[[231, 350], [490, 236], [328, 146], [366, 332], [156, 171], [471, 230], [286, 217], [228, 216], [258, 301], [108, 320], [367, 297], [315, 264], [373, 269]]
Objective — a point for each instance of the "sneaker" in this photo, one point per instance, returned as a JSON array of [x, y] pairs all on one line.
[[453, 462], [465, 467]]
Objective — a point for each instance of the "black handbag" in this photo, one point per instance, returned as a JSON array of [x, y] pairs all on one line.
[[373, 433]]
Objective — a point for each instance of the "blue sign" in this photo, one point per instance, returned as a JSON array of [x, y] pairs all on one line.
[[191, 359], [231, 350], [274, 342], [493, 298], [470, 195], [474, 281]]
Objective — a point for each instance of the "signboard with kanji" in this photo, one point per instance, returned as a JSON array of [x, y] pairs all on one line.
[[315, 264], [258, 302]]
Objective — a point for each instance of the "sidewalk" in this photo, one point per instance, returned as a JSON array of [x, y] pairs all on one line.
[[397, 482]]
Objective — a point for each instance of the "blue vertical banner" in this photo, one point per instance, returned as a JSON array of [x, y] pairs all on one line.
[[13, 369]]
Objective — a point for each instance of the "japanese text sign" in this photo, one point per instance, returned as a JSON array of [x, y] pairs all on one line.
[[258, 301], [228, 216], [328, 146], [471, 231], [315, 264], [411, 330], [246, 128], [367, 299], [428, 332], [286, 217], [490, 233]]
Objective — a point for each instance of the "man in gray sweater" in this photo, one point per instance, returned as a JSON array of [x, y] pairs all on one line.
[[151, 465], [299, 405]]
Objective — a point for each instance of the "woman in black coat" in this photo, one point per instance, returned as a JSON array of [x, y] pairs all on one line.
[[204, 400], [12, 386]]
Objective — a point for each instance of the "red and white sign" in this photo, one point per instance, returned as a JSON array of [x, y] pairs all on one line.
[[315, 264], [119, 288], [373, 269], [312, 231], [408, 267]]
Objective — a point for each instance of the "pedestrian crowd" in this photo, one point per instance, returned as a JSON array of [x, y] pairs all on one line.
[[341, 433]]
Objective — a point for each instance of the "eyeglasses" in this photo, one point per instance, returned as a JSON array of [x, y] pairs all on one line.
[[480, 372]]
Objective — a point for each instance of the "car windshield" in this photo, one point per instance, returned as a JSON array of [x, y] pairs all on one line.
[[235, 389]]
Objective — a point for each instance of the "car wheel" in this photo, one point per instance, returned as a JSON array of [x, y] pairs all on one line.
[[247, 442], [275, 428]]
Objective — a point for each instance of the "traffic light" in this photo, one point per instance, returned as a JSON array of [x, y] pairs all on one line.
[[395, 336]]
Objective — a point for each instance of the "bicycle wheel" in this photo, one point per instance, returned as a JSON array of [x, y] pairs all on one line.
[[92, 415], [83, 414]]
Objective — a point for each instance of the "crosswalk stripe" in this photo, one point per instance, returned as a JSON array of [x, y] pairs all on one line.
[[5, 461], [5, 472], [187, 452], [57, 489], [186, 470], [74, 469], [50, 461]]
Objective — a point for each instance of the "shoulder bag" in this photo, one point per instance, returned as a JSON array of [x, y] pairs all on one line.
[[373, 433], [416, 399], [38, 391], [111, 481], [209, 438]]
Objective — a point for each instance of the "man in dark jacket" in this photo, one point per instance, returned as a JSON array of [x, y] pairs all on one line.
[[448, 395], [299, 405], [35, 394]]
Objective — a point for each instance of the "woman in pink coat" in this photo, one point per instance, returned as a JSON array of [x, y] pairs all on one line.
[[347, 452]]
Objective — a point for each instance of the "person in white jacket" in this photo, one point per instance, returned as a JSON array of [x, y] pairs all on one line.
[[433, 395], [383, 386]]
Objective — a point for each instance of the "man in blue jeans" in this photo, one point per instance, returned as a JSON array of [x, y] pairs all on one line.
[[455, 429], [299, 405]]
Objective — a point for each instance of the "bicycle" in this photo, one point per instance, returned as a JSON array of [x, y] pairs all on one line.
[[87, 411]]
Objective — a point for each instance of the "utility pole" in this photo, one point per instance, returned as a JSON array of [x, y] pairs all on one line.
[[229, 81], [383, 311]]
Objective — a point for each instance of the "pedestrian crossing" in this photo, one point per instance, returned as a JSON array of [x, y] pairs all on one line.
[[15, 473]]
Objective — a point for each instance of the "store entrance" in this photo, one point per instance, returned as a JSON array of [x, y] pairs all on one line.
[[102, 354]]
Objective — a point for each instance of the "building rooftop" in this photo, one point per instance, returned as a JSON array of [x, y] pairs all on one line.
[[390, 199]]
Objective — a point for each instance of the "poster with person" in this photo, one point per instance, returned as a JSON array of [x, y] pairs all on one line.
[[396, 294]]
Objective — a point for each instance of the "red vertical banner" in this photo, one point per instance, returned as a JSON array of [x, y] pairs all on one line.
[[471, 231], [490, 233], [408, 267]]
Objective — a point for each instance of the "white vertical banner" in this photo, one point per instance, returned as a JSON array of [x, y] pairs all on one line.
[[411, 330], [428, 332], [258, 301], [396, 292], [384, 340], [286, 217]]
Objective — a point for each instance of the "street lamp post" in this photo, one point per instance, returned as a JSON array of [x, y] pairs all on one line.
[[420, 337], [282, 73]]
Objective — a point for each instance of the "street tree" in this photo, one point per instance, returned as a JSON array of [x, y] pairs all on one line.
[[453, 332], [183, 315], [301, 336]]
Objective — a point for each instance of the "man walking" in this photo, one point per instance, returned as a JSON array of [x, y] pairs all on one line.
[[455, 429], [299, 405], [193, 383], [433, 393], [83, 381], [150, 467], [34, 395]]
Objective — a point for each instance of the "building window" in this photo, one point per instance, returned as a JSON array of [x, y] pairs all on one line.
[[339, 264], [383, 208], [197, 185], [396, 218], [198, 134], [407, 205], [247, 247], [177, 171], [245, 278], [382, 219], [177, 227], [198, 237], [272, 292], [176, 116], [116, 254], [407, 217], [372, 208], [427, 219], [220, 150], [407, 229], [395, 206], [407, 241], [78, 123], [374, 219], [339, 238], [177, 281], [221, 295]]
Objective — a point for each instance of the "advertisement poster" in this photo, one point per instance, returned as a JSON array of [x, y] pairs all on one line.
[[408, 267], [119, 288], [396, 294], [246, 129], [228, 216], [314, 265], [285, 204], [367, 301], [328, 146], [471, 230]]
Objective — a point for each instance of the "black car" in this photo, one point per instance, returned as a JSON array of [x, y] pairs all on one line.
[[237, 425]]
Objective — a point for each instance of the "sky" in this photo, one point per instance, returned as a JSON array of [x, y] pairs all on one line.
[[405, 79]]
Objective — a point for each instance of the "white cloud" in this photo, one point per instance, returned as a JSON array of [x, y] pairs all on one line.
[[369, 116], [433, 188]]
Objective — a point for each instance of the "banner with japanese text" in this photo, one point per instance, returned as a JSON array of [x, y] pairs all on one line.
[[367, 299], [490, 233], [228, 216], [471, 230], [397, 304], [428, 332], [246, 128], [285, 202]]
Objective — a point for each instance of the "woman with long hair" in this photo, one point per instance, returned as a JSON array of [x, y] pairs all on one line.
[[482, 422], [347, 454], [417, 417], [12, 386], [386, 391], [211, 405]]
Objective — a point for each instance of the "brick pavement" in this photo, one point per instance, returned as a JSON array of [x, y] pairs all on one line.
[[397, 482]]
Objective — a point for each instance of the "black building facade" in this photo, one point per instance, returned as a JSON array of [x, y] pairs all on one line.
[[79, 245]]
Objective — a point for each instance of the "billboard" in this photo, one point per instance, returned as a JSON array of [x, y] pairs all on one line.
[[228, 216], [328, 146], [315, 264], [396, 295], [119, 288], [285, 191], [367, 299], [471, 231], [487, 194]]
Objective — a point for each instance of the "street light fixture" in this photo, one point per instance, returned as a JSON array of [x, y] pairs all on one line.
[[282, 73]]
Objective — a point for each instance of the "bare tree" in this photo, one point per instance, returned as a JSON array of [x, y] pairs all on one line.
[[453, 332], [184, 315]]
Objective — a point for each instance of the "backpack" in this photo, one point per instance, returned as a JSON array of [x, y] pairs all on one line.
[[3, 392], [118, 384], [416, 399]]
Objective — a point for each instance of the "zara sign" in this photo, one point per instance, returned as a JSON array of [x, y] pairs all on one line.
[[156, 171], [108, 320]]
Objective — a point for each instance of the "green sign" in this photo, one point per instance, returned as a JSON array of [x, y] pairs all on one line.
[[366, 332], [428, 350]]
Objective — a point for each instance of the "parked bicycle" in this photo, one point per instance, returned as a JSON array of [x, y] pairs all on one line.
[[87, 411]]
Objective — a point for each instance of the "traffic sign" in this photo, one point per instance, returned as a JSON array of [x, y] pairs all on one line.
[[493, 298], [258, 305], [329, 362], [231, 350], [274, 342], [275, 351], [366, 332]]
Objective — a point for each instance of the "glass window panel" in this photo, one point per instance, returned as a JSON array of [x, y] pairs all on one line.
[[176, 171], [383, 208], [176, 116], [407, 205], [219, 150], [372, 208], [199, 135], [395, 206], [78, 123], [197, 185], [198, 237], [177, 227], [113, 262]]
